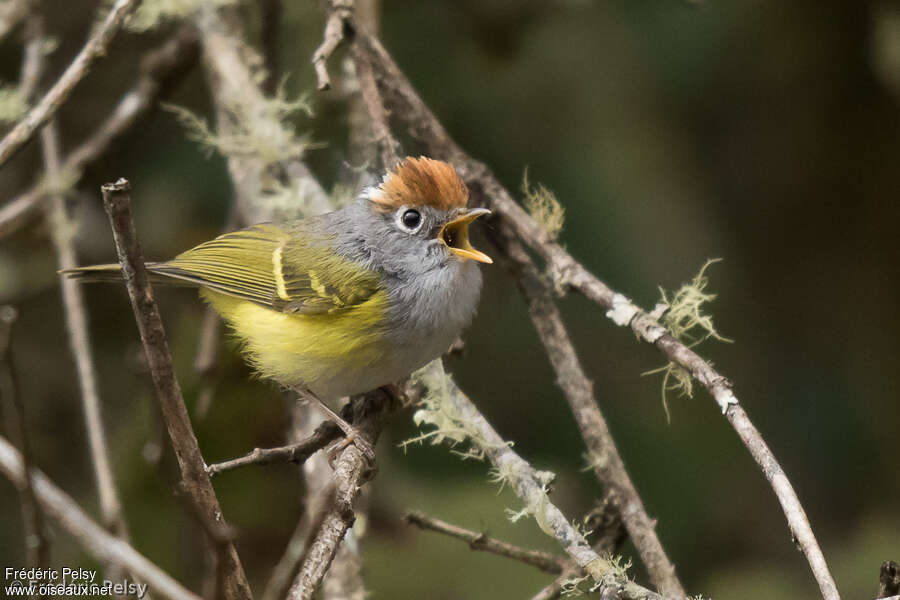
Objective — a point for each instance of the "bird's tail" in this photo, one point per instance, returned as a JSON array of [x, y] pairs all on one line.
[[113, 272]]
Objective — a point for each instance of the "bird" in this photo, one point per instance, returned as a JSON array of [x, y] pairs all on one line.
[[348, 301]]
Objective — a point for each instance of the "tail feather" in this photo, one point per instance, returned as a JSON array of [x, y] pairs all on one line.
[[113, 273]]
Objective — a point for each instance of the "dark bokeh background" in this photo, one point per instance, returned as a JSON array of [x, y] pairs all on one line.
[[766, 133]]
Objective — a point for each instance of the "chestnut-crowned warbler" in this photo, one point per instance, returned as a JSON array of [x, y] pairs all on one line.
[[348, 301]]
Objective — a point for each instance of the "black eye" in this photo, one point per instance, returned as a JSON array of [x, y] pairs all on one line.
[[411, 219]]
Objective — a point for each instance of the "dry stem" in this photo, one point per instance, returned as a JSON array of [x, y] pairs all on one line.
[[194, 478], [370, 414], [297, 452], [577, 388], [481, 541], [567, 273]]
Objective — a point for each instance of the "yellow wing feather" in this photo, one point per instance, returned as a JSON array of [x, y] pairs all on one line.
[[277, 268]]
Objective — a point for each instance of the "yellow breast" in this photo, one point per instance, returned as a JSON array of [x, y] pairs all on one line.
[[301, 349]]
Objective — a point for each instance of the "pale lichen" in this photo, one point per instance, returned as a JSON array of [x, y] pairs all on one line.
[[449, 425], [543, 207], [684, 317], [261, 131]]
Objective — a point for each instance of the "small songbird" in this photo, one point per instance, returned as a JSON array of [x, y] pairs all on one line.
[[348, 301]]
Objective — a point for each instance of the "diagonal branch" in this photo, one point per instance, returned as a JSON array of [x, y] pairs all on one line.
[[568, 274], [94, 538], [545, 315], [96, 47], [371, 412], [161, 69], [297, 452], [544, 561], [527, 483], [194, 478]]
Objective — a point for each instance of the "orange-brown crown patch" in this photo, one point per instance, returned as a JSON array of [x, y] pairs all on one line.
[[421, 182]]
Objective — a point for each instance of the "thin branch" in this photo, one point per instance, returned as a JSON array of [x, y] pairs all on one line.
[[297, 453], [544, 561], [370, 412], [318, 501], [94, 538], [579, 391], [339, 15], [378, 117], [61, 232], [160, 70], [37, 547], [567, 273], [96, 46], [531, 487], [570, 375], [194, 478]]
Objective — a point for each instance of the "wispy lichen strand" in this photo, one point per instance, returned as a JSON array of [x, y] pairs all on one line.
[[543, 207], [456, 420], [682, 314]]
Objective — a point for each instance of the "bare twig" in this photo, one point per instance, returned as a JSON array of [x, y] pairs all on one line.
[[318, 501], [194, 478], [61, 232], [339, 16], [94, 538], [567, 273], [160, 70], [37, 548], [579, 391], [888, 579], [480, 541], [298, 452], [545, 315], [95, 47], [370, 413]]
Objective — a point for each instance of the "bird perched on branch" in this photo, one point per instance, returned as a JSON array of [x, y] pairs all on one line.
[[348, 301]]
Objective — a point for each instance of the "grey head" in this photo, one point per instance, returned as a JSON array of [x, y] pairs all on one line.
[[413, 230]]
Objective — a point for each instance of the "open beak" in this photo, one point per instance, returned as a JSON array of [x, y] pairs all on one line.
[[455, 235]]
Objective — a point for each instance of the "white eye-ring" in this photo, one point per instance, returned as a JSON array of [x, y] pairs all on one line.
[[409, 219]]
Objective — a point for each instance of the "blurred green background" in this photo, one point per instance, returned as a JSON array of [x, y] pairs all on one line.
[[766, 133]]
